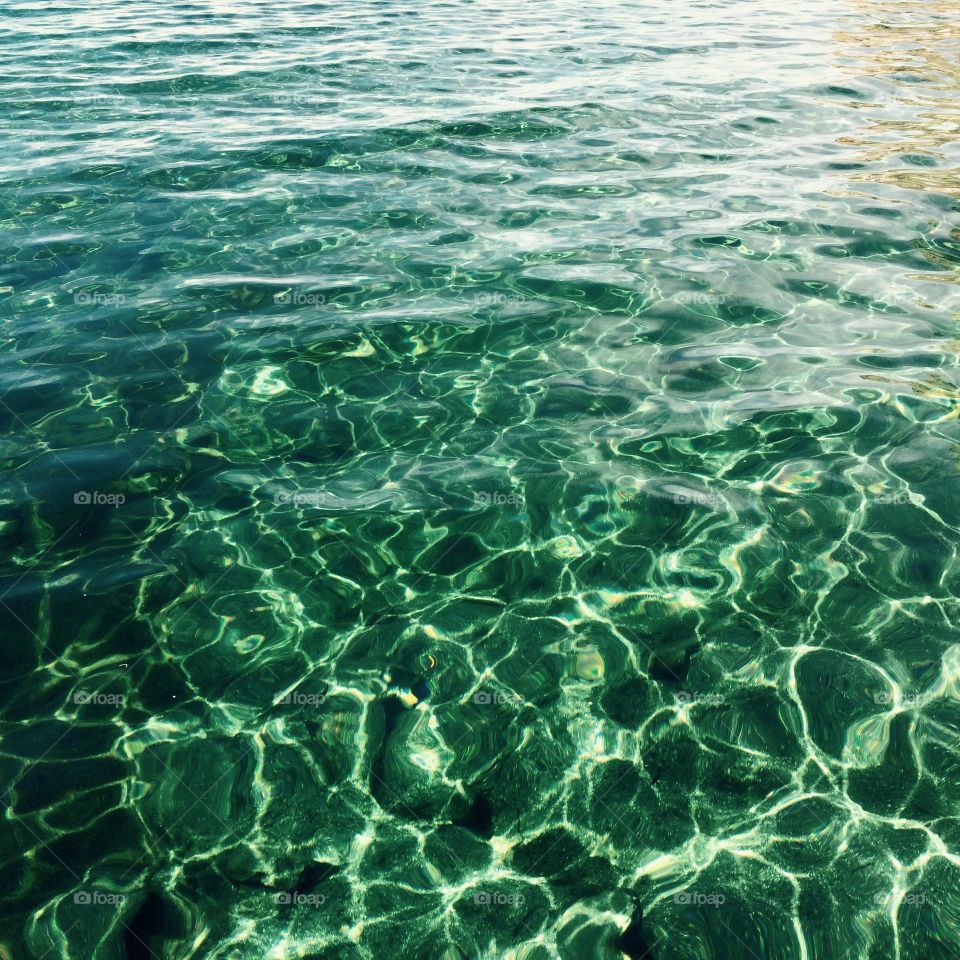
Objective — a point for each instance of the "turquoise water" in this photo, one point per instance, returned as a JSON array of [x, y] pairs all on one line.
[[480, 480]]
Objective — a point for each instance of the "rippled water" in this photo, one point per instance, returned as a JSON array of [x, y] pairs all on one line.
[[480, 480]]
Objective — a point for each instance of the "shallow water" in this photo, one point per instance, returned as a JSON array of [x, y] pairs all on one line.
[[480, 480]]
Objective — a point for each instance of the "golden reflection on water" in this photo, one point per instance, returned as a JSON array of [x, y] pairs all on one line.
[[905, 56], [910, 50]]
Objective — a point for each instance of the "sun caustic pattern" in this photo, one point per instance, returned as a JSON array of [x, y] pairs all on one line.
[[480, 480]]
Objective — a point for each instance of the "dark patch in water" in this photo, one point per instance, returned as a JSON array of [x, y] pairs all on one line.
[[478, 818], [634, 941]]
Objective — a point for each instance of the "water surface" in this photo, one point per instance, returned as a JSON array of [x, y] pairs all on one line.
[[480, 480]]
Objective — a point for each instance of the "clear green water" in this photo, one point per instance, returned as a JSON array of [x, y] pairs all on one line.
[[480, 480]]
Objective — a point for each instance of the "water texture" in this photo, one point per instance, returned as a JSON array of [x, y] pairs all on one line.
[[480, 480]]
